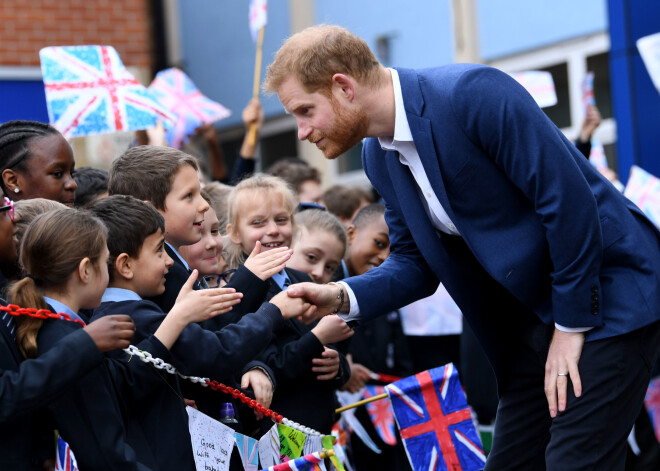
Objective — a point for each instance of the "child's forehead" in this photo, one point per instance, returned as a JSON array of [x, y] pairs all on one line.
[[259, 200]]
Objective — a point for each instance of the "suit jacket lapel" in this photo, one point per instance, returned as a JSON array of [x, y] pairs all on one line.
[[422, 132]]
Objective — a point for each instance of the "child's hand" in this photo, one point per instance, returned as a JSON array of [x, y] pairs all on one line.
[[111, 332], [266, 264], [292, 307], [332, 329], [200, 305], [359, 376], [327, 366], [262, 387]]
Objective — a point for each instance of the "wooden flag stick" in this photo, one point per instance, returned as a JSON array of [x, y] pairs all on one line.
[[359, 403], [257, 82]]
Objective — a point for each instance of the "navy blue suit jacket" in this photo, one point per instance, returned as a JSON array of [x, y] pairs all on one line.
[[542, 231]]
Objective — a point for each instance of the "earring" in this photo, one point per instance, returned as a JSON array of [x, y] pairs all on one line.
[[16, 190]]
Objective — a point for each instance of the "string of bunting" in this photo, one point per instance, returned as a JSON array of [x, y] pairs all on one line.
[[158, 363]]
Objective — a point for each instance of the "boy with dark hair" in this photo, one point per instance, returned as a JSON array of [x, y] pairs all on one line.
[[304, 180], [138, 265], [166, 178], [92, 185]]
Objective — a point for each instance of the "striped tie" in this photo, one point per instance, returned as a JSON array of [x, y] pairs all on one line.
[[9, 322]]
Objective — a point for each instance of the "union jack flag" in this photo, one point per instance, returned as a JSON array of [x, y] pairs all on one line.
[[257, 17], [381, 414], [435, 422], [247, 448], [89, 91], [643, 189], [652, 403], [588, 98], [312, 461], [174, 90], [64, 459]]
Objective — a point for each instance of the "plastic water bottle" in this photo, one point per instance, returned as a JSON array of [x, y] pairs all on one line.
[[228, 417]]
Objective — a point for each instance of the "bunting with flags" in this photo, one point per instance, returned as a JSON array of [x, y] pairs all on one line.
[[434, 421]]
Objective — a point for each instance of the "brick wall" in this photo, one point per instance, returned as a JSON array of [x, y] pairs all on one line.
[[28, 25]]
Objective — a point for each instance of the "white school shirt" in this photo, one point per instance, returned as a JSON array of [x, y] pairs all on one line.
[[403, 143]]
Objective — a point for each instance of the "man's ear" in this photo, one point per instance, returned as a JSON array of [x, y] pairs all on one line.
[[343, 85], [124, 266]]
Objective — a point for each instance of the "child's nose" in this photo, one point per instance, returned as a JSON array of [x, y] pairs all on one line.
[[272, 228], [317, 273], [168, 260]]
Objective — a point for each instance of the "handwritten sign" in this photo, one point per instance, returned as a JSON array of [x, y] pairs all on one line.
[[291, 441], [269, 448], [212, 442]]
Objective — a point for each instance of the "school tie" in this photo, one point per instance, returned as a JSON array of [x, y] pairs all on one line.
[[9, 322]]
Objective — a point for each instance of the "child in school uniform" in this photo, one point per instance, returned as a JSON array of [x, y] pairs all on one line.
[[27, 386], [261, 212], [319, 244], [92, 414], [138, 264]]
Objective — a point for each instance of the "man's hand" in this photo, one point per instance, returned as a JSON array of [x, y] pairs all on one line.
[[324, 297], [326, 367], [562, 363]]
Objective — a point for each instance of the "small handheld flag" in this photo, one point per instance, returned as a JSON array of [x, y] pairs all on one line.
[[89, 91], [435, 422]]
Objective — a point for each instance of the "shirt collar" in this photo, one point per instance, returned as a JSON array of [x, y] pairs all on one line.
[[402, 131], [281, 278], [60, 307], [119, 294], [185, 264]]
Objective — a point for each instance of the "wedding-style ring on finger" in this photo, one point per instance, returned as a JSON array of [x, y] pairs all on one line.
[[562, 374]]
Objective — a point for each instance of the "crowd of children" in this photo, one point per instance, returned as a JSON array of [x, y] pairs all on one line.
[[193, 272], [142, 260]]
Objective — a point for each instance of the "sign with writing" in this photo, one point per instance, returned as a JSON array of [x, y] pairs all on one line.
[[291, 441], [269, 448], [212, 442]]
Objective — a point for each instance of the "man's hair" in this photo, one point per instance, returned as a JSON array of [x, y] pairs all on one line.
[[368, 214], [91, 182], [294, 173], [343, 201], [147, 172], [129, 221], [316, 53]]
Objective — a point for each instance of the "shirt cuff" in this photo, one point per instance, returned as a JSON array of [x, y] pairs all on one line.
[[572, 329], [354, 313]]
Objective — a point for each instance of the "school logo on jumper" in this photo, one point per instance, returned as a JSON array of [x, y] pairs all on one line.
[[435, 422], [89, 91]]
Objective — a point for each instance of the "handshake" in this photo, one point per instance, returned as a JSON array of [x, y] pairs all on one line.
[[321, 299]]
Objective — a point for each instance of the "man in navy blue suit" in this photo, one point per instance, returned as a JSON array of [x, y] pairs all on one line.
[[557, 273]]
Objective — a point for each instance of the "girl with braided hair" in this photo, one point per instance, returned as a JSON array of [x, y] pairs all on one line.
[[36, 161]]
